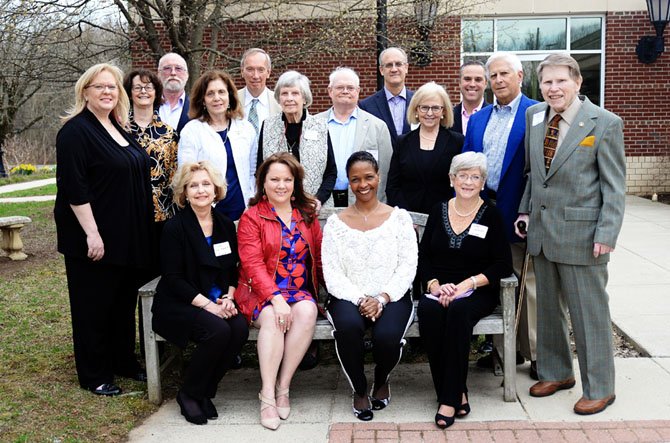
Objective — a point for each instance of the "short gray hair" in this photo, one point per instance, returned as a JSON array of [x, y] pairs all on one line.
[[561, 59], [511, 59], [253, 51], [381, 54], [343, 70], [172, 54], [291, 79], [469, 160]]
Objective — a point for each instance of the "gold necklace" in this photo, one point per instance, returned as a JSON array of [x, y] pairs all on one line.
[[365, 217], [479, 200], [427, 138]]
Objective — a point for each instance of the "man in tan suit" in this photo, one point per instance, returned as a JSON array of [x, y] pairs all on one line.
[[573, 205], [352, 129]]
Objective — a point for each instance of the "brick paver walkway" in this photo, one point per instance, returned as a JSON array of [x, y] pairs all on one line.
[[503, 431]]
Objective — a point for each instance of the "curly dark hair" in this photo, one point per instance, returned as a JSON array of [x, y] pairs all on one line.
[[304, 202]]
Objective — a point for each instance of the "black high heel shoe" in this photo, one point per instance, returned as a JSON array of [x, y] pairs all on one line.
[[464, 409], [380, 403], [362, 414], [209, 409], [448, 421], [190, 409]]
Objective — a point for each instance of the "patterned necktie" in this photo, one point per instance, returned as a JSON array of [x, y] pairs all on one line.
[[253, 115], [551, 141]]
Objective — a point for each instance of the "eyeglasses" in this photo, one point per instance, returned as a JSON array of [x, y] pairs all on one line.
[[346, 88], [168, 69], [435, 109], [392, 65], [140, 88], [464, 177], [99, 88]]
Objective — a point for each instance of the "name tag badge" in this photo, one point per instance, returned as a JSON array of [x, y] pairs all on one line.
[[538, 118], [222, 249], [375, 153], [478, 230], [310, 134]]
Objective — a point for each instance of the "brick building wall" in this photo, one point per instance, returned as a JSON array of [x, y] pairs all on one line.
[[635, 91]]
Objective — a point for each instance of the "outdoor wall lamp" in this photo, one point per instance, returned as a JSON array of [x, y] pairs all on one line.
[[425, 12], [648, 49]]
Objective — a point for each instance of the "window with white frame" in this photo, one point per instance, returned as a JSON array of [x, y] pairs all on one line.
[[533, 38]]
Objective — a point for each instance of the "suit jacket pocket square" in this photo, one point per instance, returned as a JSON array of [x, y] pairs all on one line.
[[588, 141]]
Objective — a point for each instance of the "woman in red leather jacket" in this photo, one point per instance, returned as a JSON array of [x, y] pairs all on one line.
[[279, 240]]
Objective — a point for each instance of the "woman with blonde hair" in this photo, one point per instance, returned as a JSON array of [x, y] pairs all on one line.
[[418, 176], [103, 215], [195, 296]]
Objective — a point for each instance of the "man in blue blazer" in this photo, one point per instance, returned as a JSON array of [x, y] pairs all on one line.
[[498, 131], [390, 103], [173, 73]]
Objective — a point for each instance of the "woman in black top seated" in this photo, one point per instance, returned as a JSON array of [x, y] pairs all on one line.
[[194, 298], [462, 256], [418, 173]]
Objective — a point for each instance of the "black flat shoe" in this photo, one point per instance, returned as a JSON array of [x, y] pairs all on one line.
[[362, 414], [209, 409], [380, 403], [108, 389], [311, 358], [448, 421], [190, 409], [533, 370]]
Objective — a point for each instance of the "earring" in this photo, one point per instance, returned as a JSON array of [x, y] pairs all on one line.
[[293, 198], [451, 184], [416, 116], [483, 187]]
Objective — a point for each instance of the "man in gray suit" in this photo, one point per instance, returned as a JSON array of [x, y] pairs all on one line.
[[351, 129], [573, 205]]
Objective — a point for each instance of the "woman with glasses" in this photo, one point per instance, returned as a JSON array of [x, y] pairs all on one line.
[[418, 176], [158, 139], [218, 132], [103, 217], [463, 254]]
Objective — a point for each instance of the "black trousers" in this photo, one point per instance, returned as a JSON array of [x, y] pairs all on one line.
[[218, 342], [387, 339], [102, 304], [446, 333]]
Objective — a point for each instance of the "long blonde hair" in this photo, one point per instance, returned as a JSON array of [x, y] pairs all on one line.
[[120, 111]]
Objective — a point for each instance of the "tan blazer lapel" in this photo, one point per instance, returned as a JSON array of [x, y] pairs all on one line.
[[362, 127], [536, 143]]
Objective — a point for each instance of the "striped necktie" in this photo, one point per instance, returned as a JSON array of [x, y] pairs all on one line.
[[253, 115], [551, 141]]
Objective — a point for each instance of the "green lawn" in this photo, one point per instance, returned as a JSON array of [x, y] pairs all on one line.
[[18, 178], [40, 398], [42, 190]]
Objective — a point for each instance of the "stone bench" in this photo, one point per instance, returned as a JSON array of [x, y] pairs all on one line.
[[11, 236], [500, 324]]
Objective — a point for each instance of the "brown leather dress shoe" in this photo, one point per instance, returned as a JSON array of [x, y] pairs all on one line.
[[587, 407], [546, 388]]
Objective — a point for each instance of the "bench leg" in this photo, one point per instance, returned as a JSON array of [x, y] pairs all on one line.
[[152, 359], [11, 242]]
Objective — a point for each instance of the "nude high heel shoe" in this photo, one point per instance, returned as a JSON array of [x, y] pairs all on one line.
[[282, 411], [270, 423]]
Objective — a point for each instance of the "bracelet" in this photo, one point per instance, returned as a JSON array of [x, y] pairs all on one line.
[[382, 301], [205, 305], [474, 283], [430, 282]]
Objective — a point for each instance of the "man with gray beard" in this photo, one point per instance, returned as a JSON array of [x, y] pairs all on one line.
[[173, 73]]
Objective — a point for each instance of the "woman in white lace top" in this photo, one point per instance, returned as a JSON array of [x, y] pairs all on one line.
[[369, 256]]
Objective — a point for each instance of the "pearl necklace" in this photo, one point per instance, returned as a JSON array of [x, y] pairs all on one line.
[[365, 217], [479, 200]]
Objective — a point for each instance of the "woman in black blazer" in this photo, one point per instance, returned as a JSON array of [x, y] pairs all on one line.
[[419, 171], [194, 298]]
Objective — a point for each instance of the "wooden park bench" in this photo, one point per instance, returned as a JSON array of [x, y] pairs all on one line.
[[11, 236], [500, 324]]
